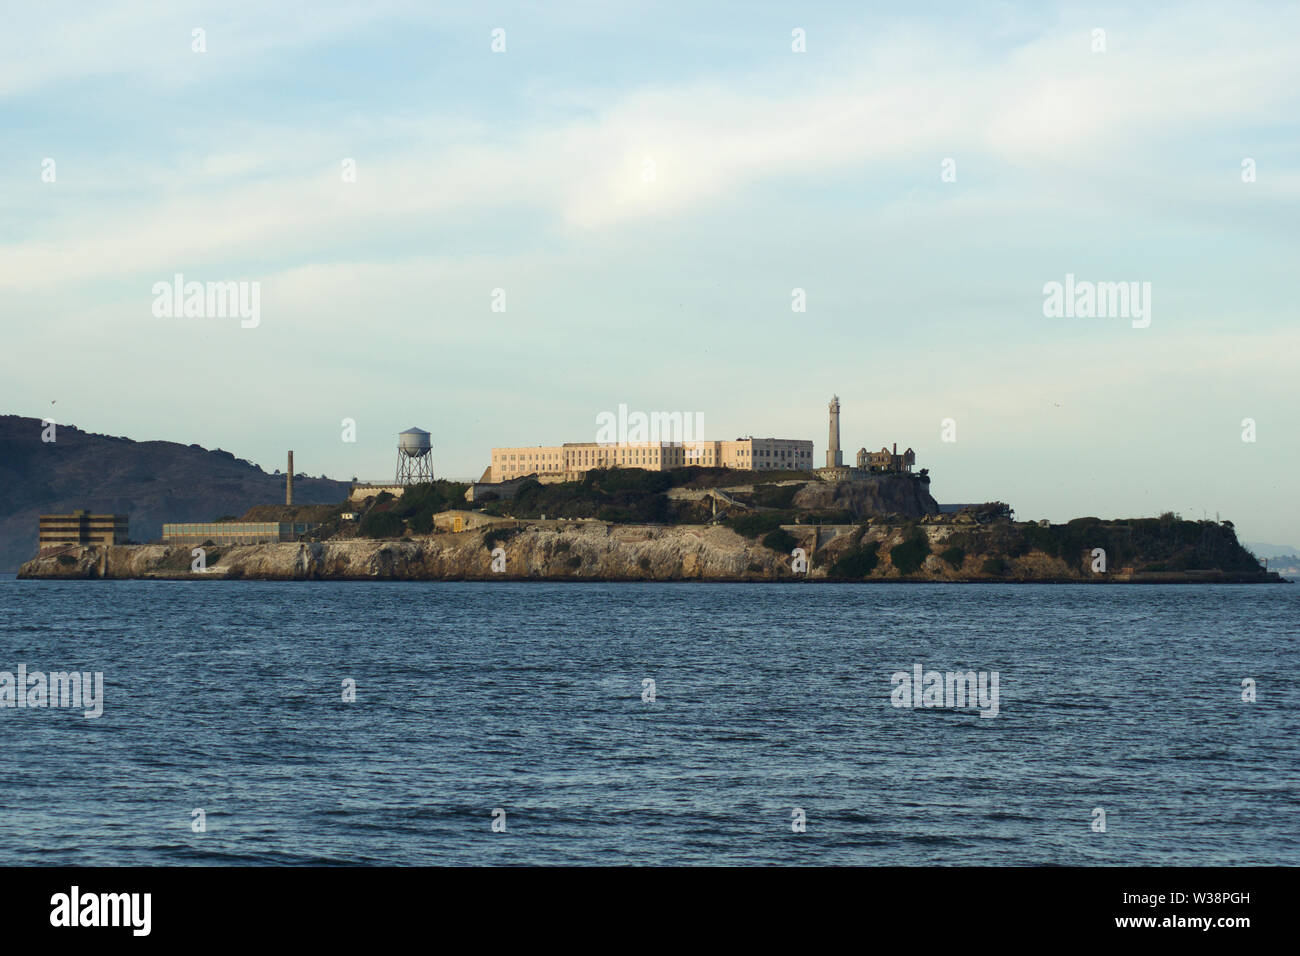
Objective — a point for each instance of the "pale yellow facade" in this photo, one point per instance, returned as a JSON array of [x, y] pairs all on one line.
[[570, 461]]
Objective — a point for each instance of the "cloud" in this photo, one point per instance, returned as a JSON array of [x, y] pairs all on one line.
[[669, 151]]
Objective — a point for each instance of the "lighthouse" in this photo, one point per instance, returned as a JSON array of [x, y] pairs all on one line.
[[834, 457]]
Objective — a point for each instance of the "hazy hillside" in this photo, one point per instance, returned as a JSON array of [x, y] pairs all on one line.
[[1262, 550], [152, 481]]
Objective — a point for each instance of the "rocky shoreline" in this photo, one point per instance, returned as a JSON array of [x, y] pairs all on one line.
[[594, 551]]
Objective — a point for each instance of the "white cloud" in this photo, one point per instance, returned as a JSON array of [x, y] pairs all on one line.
[[1048, 104]]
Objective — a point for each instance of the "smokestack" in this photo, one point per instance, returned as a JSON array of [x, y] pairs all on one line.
[[288, 483]]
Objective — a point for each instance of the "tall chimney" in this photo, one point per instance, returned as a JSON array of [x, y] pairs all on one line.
[[288, 483]]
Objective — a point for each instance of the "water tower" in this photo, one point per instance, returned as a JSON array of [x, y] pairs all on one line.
[[414, 457]]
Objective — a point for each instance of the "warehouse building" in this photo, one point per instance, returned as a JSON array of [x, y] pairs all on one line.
[[234, 532]]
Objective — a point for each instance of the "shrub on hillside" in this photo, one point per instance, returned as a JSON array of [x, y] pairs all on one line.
[[954, 556], [911, 554], [497, 536], [776, 496], [430, 496], [780, 540], [995, 567], [381, 524], [858, 563], [759, 523]]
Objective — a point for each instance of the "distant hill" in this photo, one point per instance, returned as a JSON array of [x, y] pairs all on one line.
[[152, 481], [1261, 550]]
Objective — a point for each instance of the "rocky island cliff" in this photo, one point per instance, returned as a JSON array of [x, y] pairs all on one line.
[[585, 550], [691, 524]]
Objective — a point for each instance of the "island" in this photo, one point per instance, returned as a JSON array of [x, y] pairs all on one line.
[[690, 523]]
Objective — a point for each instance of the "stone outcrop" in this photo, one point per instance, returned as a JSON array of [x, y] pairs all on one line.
[[905, 495]]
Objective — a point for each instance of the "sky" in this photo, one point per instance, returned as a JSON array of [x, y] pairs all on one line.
[[617, 206]]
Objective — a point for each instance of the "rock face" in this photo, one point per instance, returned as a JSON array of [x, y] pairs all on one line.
[[577, 551], [581, 551], [884, 495]]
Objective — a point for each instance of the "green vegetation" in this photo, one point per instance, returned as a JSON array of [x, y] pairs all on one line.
[[431, 497], [858, 563], [1167, 543], [696, 477], [619, 495], [776, 496], [391, 517], [638, 496], [995, 567], [954, 556], [911, 554], [381, 524], [754, 524], [780, 540], [498, 536]]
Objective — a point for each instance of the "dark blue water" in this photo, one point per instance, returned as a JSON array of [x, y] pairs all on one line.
[[528, 697]]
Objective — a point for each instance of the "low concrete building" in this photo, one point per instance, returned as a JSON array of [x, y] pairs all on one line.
[[82, 528], [191, 534], [501, 490], [361, 490]]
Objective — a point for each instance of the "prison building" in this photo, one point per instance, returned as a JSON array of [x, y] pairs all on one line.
[[82, 528], [234, 532], [572, 460]]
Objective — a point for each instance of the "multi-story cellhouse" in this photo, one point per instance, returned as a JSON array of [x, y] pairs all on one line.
[[570, 461]]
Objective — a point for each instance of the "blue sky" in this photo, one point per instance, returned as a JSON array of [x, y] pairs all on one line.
[[773, 170]]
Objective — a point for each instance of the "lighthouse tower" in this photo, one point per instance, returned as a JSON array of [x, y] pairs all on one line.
[[834, 457]]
